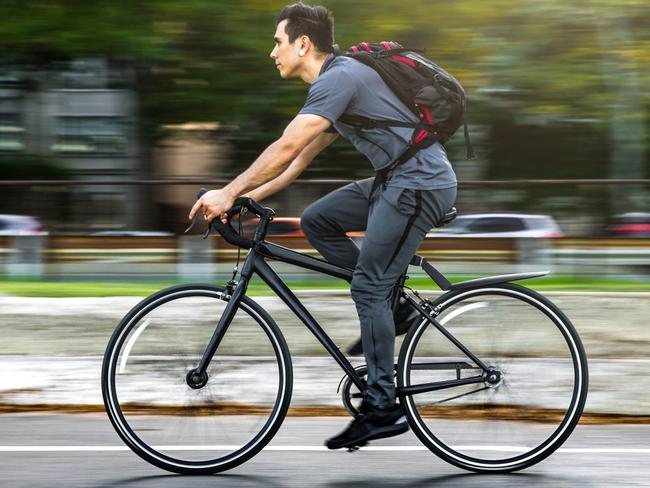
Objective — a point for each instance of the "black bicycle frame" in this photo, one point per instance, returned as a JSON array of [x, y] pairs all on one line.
[[255, 263]]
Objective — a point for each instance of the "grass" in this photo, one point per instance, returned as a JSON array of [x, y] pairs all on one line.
[[61, 289]]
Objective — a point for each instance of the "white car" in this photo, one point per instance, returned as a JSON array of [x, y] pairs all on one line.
[[499, 225], [21, 225]]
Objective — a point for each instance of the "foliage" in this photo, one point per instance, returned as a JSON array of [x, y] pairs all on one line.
[[29, 167], [548, 80]]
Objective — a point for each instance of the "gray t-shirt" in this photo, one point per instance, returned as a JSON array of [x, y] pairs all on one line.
[[349, 86]]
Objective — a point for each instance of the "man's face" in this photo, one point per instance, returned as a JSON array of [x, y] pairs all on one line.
[[285, 54]]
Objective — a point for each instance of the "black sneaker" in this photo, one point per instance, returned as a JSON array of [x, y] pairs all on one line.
[[370, 424], [405, 316]]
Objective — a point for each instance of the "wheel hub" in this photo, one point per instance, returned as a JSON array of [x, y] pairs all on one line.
[[493, 377], [196, 380]]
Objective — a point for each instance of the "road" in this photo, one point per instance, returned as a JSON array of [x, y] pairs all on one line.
[[82, 450]]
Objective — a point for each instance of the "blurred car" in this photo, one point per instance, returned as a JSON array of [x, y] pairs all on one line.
[[278, 227], [631, 224], [21, 225], [132, 233], [499, 225]]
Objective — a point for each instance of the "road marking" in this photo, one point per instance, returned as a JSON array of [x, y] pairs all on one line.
[[568, 450]]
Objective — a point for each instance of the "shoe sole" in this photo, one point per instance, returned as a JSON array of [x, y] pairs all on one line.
[[388, 431]]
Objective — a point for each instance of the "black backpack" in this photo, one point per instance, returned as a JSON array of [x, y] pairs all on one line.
[[432, 94]]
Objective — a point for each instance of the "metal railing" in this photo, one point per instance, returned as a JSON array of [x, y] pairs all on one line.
[[181, 257]]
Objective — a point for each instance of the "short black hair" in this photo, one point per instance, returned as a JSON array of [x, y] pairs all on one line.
[[315, 22]]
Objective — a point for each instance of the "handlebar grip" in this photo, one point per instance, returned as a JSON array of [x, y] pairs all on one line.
[[226, 230], [230, 234]]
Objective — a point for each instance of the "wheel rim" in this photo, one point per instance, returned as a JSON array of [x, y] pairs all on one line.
[[157, 412], [513, 421]]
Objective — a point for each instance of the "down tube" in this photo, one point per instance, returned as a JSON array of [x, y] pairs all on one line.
[[271, 278]]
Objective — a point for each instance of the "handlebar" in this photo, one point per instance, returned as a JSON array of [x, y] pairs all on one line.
[[226, 230]]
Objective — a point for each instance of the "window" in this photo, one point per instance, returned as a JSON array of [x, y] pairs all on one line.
[[497, 224], [12, 133], [86, 134]]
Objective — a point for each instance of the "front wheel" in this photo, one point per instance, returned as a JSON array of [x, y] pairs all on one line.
[[526, 404], [203, 426]]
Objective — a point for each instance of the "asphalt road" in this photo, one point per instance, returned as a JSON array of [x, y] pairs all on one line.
[[39, 450]]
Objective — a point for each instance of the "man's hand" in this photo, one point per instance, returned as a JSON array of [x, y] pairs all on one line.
[[213, 204]]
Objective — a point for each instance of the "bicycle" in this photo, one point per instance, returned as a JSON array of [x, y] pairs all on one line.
[[191, 397]]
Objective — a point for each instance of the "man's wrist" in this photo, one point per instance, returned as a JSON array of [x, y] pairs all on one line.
[[230, 191]]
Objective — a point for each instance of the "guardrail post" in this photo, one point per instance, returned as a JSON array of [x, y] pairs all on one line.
[[534, 254], [196, 261], [26, 256]]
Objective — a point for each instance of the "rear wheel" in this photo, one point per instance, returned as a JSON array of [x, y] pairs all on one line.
[[524, 407], [196, 424]]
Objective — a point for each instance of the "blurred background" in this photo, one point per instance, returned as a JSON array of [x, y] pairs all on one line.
[[113, 114]]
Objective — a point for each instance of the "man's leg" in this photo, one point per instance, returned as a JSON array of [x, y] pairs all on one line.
[[326, 221], [397, 223]]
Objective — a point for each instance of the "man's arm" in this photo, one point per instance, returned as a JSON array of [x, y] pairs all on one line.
[[295, 168], [302, 130]]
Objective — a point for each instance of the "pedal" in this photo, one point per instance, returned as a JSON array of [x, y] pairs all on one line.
[[356, 447]]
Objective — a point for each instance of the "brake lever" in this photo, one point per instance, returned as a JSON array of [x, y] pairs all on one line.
[[230, 213], [191, 225], [199, 194]]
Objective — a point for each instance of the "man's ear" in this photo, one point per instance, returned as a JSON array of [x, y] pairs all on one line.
[[305, 43]]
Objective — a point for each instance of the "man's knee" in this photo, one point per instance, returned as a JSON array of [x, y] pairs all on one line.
[[308, 220], [367, 292]]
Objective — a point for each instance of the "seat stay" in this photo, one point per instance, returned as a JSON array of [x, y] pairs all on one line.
[[430, 317]]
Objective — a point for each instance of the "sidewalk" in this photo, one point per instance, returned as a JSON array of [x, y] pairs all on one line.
[[52, 348]]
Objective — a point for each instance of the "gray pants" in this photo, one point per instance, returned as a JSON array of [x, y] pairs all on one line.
[[395, 216]]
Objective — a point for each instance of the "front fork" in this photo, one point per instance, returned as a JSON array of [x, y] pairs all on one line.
[[198, 377]]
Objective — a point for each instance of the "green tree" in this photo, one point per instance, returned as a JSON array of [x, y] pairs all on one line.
[[538, 73]]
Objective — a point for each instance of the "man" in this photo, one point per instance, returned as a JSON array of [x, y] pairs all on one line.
[[395, 217]]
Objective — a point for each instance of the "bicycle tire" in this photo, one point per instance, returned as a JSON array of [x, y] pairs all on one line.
[[258, 324], [491, 416]]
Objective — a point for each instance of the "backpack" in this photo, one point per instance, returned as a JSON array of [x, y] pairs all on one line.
[[432, 94]]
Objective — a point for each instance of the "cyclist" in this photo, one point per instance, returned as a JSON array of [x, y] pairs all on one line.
[[395, 217]]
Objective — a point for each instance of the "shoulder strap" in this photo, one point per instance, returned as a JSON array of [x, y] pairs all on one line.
[[367, 123]]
